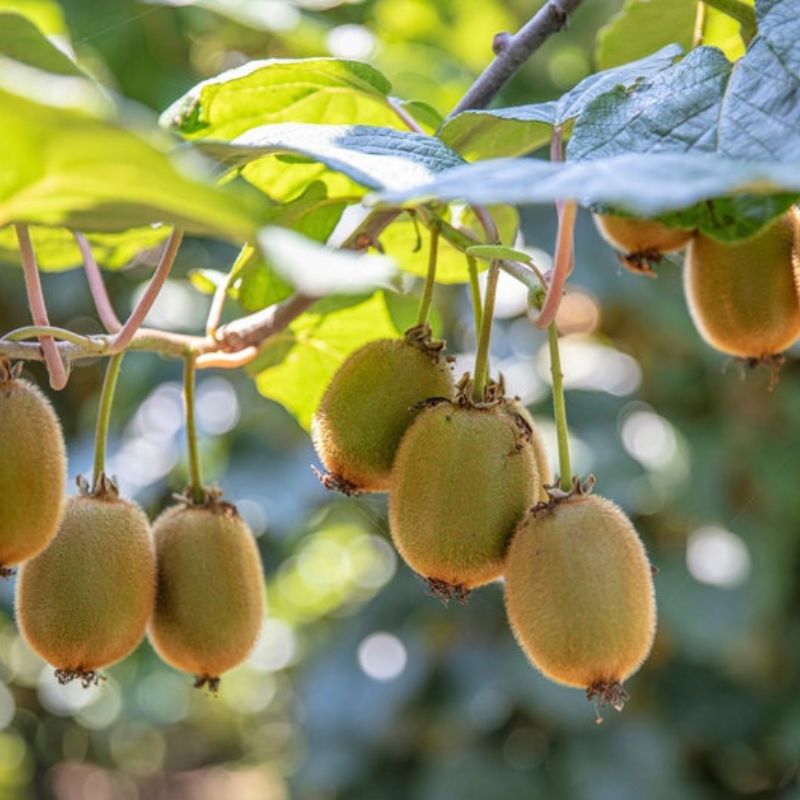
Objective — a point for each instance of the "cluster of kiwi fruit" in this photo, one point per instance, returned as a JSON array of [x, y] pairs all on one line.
[[471, 501], [95, 578], [743, 296]]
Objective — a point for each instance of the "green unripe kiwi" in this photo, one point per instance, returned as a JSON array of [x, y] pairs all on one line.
[[463, 478], [743, 296], [210, 601], [84, 603], [579, 594], [641, 242], [367, 407], [32, 470]]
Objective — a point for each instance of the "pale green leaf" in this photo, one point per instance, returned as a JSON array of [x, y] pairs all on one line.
[[329, 90]]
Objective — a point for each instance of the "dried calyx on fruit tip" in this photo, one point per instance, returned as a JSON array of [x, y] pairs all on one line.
[[210, 601], [579, 593], [33, 469], [369, 403], [743, 295], [84, 602], [464, 475], [640, 242]]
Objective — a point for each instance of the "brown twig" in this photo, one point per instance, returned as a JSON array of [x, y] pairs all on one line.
[[33, 287], [516, 50], [97, 286], [137, 317]]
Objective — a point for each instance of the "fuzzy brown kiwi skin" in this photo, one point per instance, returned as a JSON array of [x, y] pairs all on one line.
[[210, 602], [84, 603], [641, 242], [32, 471], [743, 296], [463, 478], [579, 595], [367, 407]]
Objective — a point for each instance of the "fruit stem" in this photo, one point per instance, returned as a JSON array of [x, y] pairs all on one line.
[[475, 291], [430, 278], [104, 417], [559, 410], [195, 475], [485, 335]]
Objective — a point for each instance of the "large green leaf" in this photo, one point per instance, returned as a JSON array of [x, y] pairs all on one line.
[[496, 132], [643, 26], [746, 110], [378, 158], [643, 184], [327, 90], [64, 167], [56, 249], [296, 365]]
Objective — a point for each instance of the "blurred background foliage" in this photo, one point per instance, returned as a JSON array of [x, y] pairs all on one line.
[[362, 686]]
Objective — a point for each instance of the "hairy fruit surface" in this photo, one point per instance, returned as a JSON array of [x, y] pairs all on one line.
[[463, 478], [84, 603], [743, 296], [579, 594], [641, 242], [368, 405], [210, 600], [32, 470]]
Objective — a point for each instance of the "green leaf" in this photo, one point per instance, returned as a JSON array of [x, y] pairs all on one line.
[[56, 249], [378, 158], [22, 41], [256, 285], [316, 271], [425, 115], [62, 167], [490, 133], [643, 184], [328, 90], [295, 366], [746, 110], [643, 26]]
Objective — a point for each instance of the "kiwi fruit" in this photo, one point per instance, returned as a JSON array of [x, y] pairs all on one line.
[[84, 602], [743, 296], [210, 599], [579, 594], [463, 478], [32, 471], [641, 242], [370, 402], [544, 475]]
